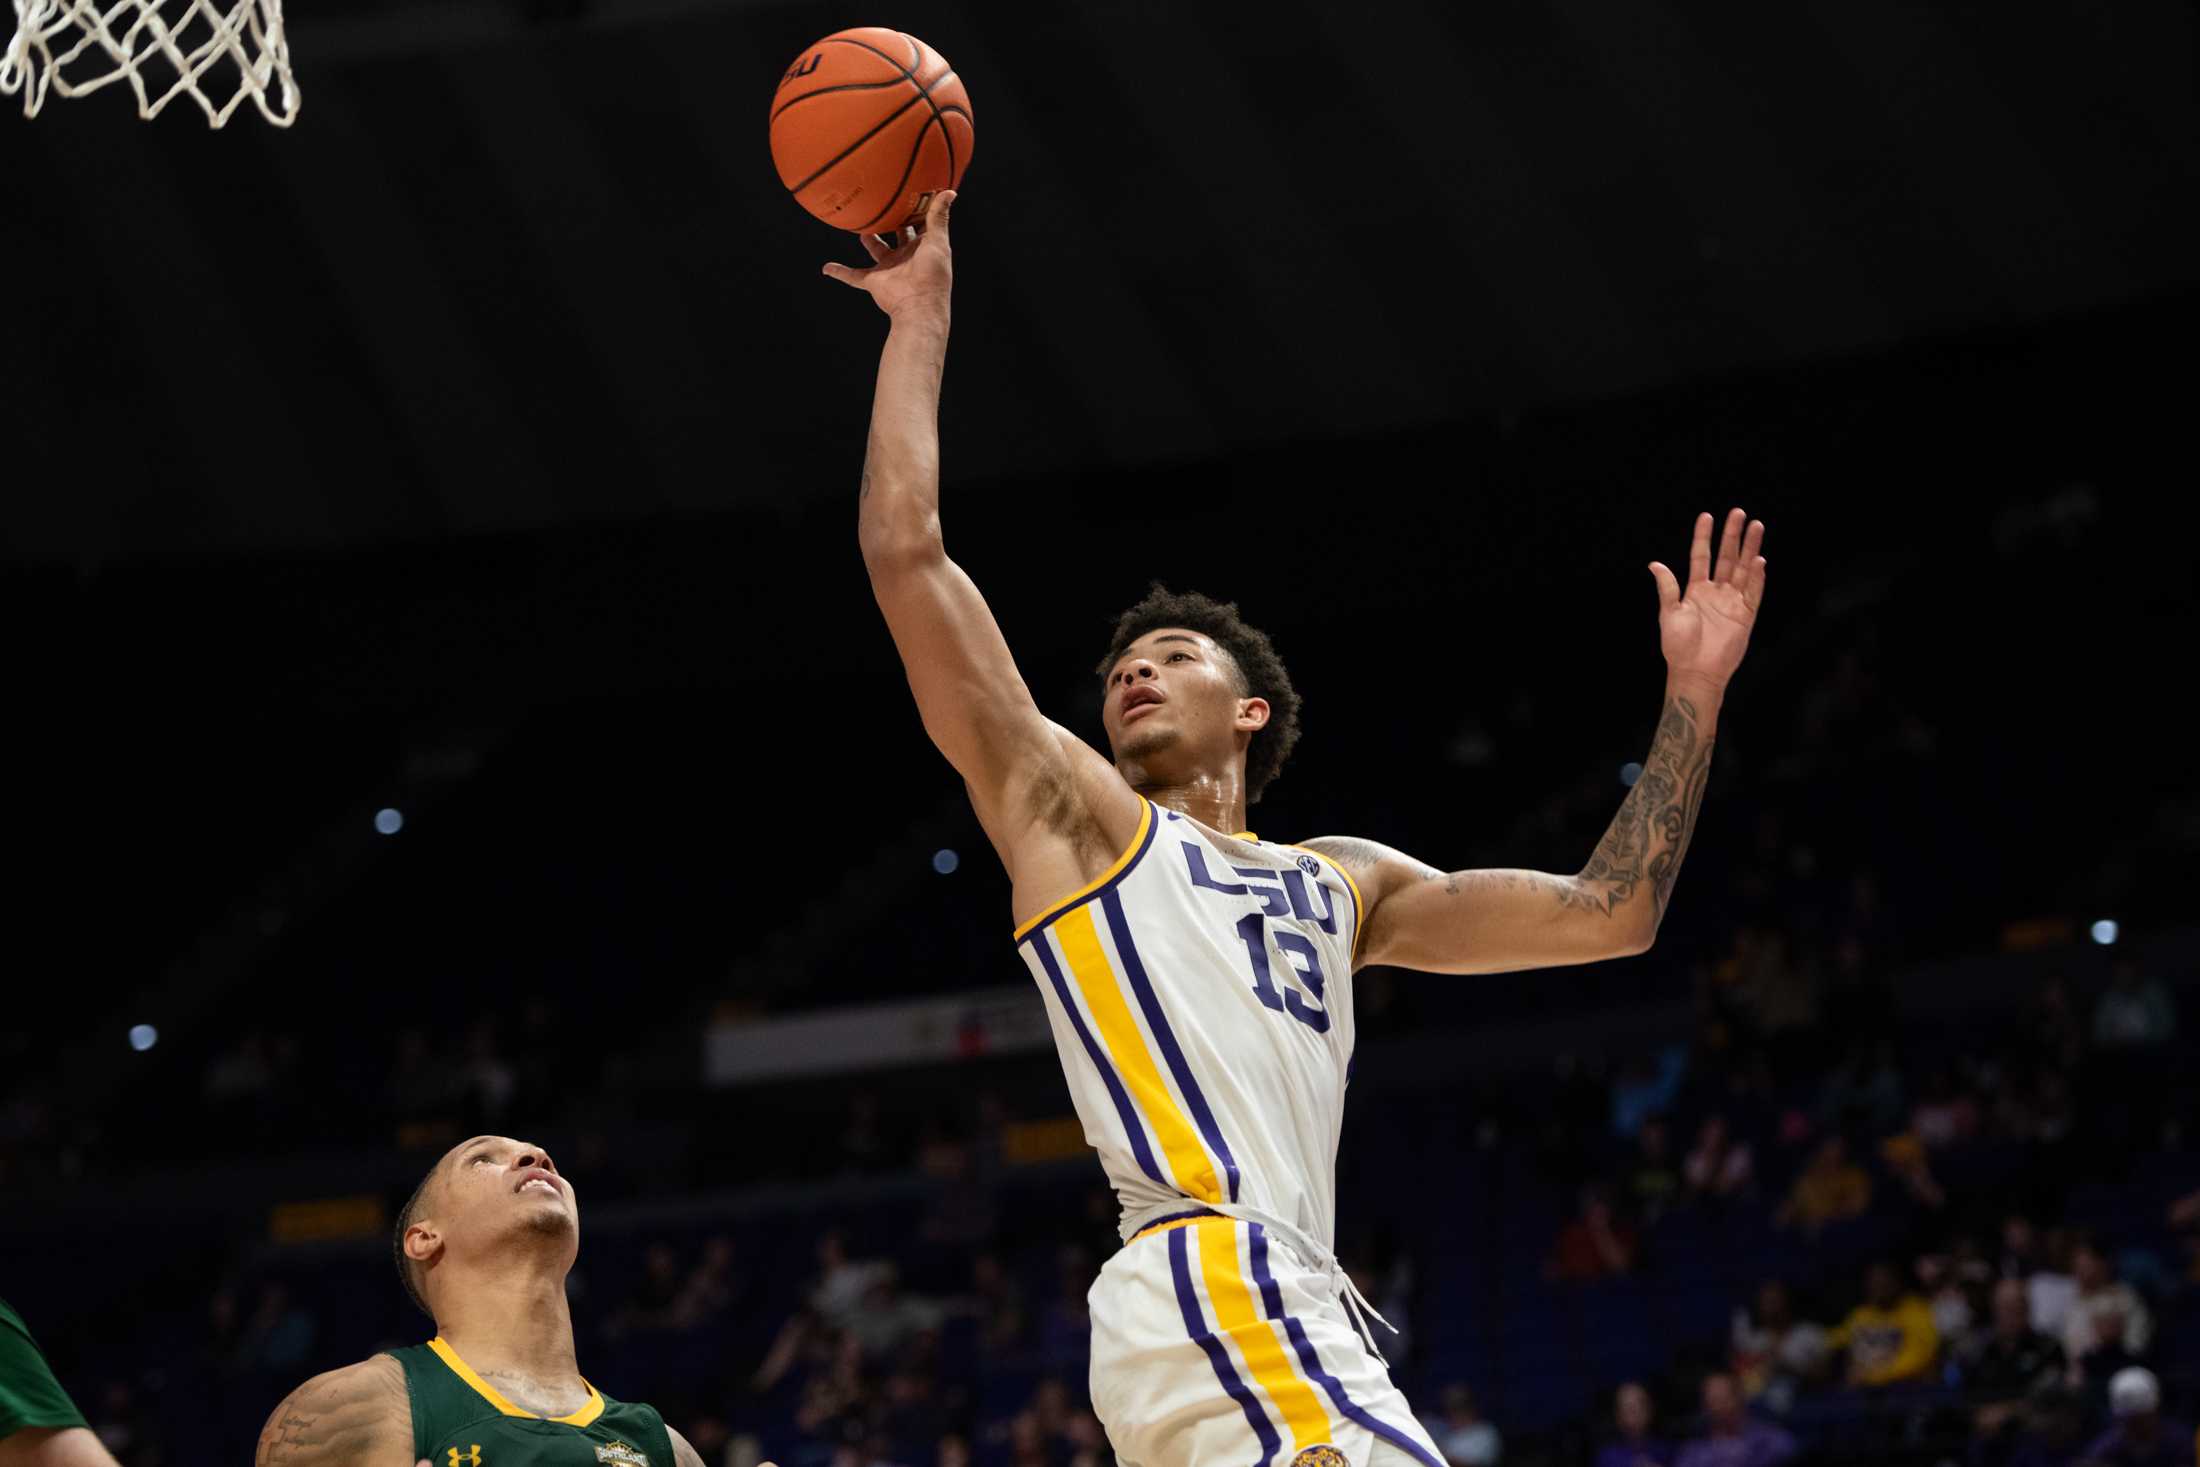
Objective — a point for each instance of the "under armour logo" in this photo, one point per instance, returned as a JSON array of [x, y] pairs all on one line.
[[471, 1459]]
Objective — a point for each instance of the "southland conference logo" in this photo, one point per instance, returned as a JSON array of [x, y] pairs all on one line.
[[619, 1454]]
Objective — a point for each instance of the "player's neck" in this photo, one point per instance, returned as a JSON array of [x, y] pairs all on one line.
[[513, 1321], [1217, 802]]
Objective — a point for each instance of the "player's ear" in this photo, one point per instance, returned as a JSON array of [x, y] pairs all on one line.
[[1252, 715], [423, 1240]]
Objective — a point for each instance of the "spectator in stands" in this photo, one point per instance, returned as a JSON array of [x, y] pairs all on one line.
[[2136, 1011], [1954, 1281], [490, 1079], [1831, 1189], [1945, 1113], [1646, 1086], [279, 1334], [2108, 1327], [1465, 1439], [1088, 1442], [888, 1321], [1774, 1354], [2049, 1432], [997, 1304], [2004, 1364], [910, 1412], [1065, 1324], [1730, 1437], [656, 1294], [1889, 1337], [2140, 1436], [842, 1281], [1912, 1170], [1594, 1245], [1865, 1090], [709, 1289], [1652, 1181], [1632, 1444], [1719, 1166]]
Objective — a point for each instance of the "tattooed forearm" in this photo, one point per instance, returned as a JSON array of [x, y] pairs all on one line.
[[1649, 837]]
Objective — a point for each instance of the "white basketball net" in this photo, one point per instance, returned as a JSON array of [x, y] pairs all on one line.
[[216, 52]]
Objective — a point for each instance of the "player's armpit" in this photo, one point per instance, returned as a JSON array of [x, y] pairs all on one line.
[[1484, 921], [357, 1415]]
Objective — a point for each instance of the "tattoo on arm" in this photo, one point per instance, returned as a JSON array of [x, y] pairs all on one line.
[[360, 1415], [1649, 837], [1359, 856]]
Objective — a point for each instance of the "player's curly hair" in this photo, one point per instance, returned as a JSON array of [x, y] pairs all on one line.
[[1261, 673], [407, 1273]]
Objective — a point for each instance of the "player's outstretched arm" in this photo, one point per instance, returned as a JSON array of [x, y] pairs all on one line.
[[1494, 921], [973, 701], [359, 1416]]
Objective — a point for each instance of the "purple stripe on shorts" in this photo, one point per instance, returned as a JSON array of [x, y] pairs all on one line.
[[1272, 1297], [1195, 1323]]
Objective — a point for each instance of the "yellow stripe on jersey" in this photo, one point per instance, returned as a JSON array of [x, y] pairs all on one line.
[[1138, 838], [1088, 965], [1359, 908], [495, 1397], [1256, 1337]]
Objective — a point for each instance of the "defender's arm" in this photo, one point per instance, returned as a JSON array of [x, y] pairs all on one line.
[[1495, 921], [359, 1416], [973, 701]]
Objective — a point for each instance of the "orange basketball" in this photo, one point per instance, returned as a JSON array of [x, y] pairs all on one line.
[[867, 125]]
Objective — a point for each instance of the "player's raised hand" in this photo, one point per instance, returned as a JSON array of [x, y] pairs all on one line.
[[1705, 630], [917, 269]]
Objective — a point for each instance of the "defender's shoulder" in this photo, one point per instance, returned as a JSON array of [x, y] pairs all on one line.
[[359, 1414]]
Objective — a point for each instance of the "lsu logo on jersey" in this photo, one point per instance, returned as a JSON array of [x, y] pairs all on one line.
[[619, 1454]]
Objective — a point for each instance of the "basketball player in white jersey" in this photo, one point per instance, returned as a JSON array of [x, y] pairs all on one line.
[[1199, 978]]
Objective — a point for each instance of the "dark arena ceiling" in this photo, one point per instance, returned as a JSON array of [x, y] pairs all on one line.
[[529, 264]]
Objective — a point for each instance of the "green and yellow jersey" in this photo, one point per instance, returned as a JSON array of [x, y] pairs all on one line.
[[29, 1395], [460, 1420]]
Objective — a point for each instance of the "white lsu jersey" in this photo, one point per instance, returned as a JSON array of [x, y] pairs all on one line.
[[1201, 997]]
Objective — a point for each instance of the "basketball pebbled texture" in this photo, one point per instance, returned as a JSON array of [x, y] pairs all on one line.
[[867, 125]]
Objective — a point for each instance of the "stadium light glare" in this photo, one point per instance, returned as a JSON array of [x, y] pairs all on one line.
[[143, 1037], [945, 862], [2105, 931], [389, 822]]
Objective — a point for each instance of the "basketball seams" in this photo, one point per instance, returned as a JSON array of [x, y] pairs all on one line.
[[839, 87], [907, 169], [846, 153]]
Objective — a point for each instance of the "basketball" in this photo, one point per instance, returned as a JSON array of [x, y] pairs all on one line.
[[867, 125]]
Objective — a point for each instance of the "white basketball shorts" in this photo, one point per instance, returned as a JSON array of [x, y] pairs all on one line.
[[1210, 1348]]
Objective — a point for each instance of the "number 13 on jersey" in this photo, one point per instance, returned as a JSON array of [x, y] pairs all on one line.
[[1284, 896]]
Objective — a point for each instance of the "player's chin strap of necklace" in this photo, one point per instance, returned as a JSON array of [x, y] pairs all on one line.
[[1311, 1253]]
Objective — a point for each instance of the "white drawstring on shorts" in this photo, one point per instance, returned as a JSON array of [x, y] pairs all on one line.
[[1310, 1253]]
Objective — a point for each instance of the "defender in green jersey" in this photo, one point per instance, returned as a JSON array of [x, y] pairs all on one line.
[[483, 1247], [39, 1425]]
